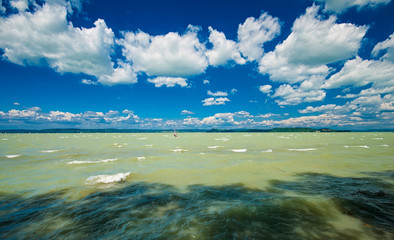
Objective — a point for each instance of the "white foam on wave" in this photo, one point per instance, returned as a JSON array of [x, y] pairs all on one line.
[[378, 138], [267, 151], [107, 178], [179, 150], [357, 146], [384, 145], [4, 139], [142, 138], [301, 149], [50, 151], [214, 147], [247, 135], [283, 137], [90, 162], [141, 158], [239, 150], [222, 139], [12, 156], [149, 145]]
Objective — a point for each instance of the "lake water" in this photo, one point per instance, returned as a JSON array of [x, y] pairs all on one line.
[[197, 186]]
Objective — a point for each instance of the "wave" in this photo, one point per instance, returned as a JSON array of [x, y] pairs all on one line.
[[12, 156], [89, 162], [141, 158], [179, 150], [267, 151], [107, 178], [222, 139], [49, 151], [239, 150], [214, 147], [301, 149], [358, 146]]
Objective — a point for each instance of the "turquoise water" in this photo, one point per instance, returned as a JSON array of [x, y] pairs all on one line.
[[197, 186]]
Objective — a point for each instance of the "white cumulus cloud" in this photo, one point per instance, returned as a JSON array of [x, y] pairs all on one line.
[[313, 43], [170, 55], [265, 88], [340, 6], [186, 112], [45, 37], [215, 101], [168, 81], [387, 47], [223, 50], [358, 72], [217, 94], [253, 33]]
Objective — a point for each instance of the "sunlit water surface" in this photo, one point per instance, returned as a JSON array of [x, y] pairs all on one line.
[[197, 186]]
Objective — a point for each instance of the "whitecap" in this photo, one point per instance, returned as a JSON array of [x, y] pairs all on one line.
[[301, 149], [179, 150], [267, 151], [4, 139], [92, 162], [107, 178], [247, 135], [142, 138], [222, 139], [149, 145], [378, 138], [141, 158], [49, 151], [239, 150], [12, 156], [214, 147], [358, 146], [384, 145], [284, 137]]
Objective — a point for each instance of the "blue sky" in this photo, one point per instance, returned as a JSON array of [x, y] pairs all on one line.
[[197, 64]]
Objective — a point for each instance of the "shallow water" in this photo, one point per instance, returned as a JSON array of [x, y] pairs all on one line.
[[197, 186]]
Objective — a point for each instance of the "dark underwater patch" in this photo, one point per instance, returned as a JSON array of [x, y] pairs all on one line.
[[156, 211]]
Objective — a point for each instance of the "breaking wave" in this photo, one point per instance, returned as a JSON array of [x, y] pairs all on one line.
[[107, 178], [90, 162], [301, 149]]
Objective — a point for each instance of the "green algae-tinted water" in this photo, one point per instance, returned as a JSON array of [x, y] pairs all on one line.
[[197, 186]]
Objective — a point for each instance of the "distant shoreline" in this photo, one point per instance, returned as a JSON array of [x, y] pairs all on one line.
[[214, 130]]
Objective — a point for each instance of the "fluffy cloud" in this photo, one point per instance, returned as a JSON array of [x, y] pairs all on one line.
[[168, 81], [322, 108], [340, 6], [265, 88], [386, 46], [123, 74], [21, 5], [186, 112], [253, 33], [215, 101], [294, 96], [34, 117], [218, 119], [217, 94], [313, 43], [358, 72], [170, 55], [223, 50], [88, 82], [45, 37]]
